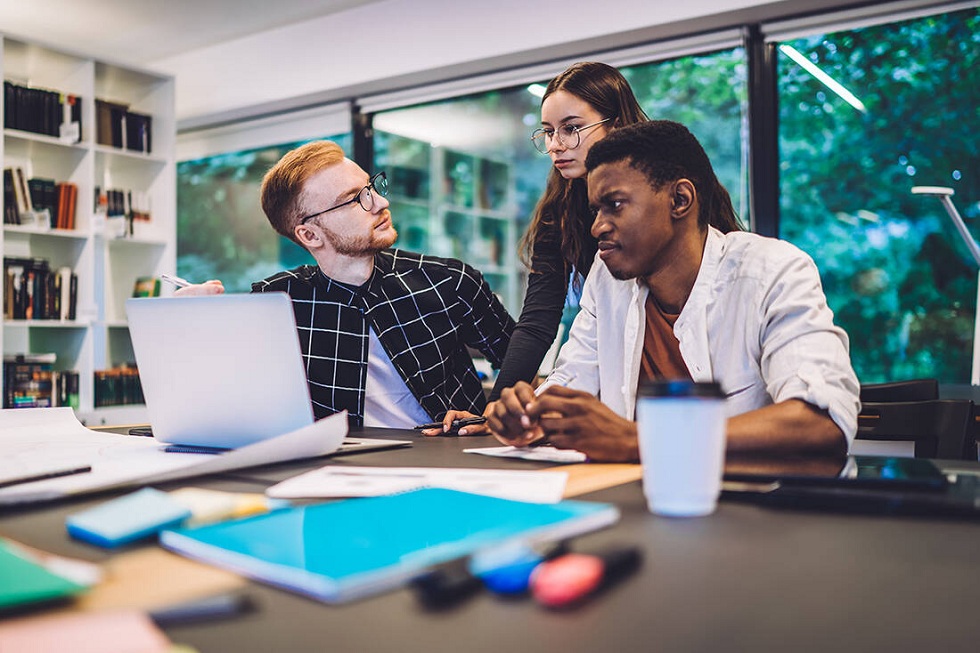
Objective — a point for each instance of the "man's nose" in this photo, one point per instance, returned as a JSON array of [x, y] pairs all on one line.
[[599, 225]]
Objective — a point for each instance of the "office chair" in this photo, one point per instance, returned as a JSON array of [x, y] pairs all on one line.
[[940, 428], [910, 390]]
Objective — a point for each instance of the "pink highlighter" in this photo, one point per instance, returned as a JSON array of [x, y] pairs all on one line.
[[569, 579]]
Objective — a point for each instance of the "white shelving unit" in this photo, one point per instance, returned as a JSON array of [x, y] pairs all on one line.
[[107, 265]]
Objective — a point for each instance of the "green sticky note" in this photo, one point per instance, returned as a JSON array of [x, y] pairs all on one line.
[[25, 581]]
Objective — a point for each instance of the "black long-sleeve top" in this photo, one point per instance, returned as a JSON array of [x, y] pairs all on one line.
[[544, 301]]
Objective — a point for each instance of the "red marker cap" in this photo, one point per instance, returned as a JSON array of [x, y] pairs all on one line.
[[569, 579]]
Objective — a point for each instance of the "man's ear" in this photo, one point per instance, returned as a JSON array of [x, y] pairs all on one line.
[[682, 198], [306, 236]]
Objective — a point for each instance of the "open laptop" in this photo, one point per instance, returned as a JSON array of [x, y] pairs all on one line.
[[224, 371]]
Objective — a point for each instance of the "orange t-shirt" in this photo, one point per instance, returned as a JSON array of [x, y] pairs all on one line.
[[661, 357]]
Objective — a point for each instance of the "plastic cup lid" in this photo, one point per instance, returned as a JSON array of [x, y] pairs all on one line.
[[680, 388]]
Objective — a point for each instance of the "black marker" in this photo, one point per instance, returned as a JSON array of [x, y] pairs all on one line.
[[41, 476], [209, 609]]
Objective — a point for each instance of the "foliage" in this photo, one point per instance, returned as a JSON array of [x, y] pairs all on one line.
[[895, 271], [708, 94], [222, 232]]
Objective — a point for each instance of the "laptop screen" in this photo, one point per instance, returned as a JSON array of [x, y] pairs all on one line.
[[221, 370]]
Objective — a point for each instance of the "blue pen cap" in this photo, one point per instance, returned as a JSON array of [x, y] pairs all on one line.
[[507, 570]]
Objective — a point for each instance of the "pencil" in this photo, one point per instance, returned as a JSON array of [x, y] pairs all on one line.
[[41, 476]]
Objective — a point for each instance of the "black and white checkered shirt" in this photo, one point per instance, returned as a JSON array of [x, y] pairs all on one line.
[[424, 310]]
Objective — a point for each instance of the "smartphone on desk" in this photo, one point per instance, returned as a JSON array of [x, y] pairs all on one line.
[[877, 485], [870, 472]]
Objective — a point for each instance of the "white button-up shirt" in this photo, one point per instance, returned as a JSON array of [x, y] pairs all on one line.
[[756, 322]]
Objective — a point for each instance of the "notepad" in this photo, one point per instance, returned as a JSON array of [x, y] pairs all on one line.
[[355, 548], [127, 518]]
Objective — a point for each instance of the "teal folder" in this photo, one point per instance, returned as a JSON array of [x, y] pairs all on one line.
[[23, 581], [350, 549]]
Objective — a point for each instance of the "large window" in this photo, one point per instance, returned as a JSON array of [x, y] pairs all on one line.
[[465, 177], [222, 232], [865, 115]]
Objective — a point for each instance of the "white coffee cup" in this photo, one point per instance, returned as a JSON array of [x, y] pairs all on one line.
[[681, 428]]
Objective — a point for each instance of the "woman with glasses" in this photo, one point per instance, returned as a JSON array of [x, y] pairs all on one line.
[[579, 107]]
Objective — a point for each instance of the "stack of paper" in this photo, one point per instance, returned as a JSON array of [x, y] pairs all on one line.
[[53, 436], [343, 481]]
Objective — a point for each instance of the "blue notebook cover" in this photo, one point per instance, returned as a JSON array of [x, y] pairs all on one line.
[[358, 547]]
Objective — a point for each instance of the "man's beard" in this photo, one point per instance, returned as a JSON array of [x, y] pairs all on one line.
[[361, 245]]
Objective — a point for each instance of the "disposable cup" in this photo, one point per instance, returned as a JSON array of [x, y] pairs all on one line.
[[681, 428]]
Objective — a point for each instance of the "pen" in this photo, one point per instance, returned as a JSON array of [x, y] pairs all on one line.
[[175, 280], [457, 424], [54, 473], [445, 585], [507, 570], [559, 381], [215, 607]]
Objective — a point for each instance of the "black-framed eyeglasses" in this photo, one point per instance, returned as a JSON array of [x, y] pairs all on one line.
[[365, 197], [569, 136]]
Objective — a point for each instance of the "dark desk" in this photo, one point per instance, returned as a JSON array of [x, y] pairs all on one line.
[[745, 578]]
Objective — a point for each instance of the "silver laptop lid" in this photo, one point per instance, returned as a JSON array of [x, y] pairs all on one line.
[[221, 370]]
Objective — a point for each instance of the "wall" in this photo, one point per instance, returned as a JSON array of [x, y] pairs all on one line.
[[393, 44]]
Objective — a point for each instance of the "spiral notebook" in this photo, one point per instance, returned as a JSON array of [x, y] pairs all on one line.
[[350, 549]]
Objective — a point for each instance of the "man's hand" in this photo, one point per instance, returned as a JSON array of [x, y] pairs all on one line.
[[508, 419], [447, 425], [210, 287], [573, 419]]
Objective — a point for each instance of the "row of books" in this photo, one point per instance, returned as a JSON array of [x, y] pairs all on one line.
[[117, 126], [127, 203], [118, 386], [42, 111], [30, 381], [34, 291], [25, 200]]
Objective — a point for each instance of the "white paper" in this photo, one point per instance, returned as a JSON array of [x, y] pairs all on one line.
[[34, 437], [545, 454], [345, 481]]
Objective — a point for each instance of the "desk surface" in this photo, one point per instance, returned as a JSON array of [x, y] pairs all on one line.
[[745, 578]]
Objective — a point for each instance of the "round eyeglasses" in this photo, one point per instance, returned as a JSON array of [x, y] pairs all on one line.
[[569, 136], [365, 197]]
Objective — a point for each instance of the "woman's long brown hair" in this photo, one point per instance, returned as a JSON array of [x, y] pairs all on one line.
[[565, 201]]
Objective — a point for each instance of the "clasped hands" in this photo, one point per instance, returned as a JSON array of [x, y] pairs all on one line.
[[566, 418]]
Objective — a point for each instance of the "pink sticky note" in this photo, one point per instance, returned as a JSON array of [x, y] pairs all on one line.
[[111, 631]]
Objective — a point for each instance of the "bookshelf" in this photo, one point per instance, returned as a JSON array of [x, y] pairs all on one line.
[[457, 204], [122, 169]]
